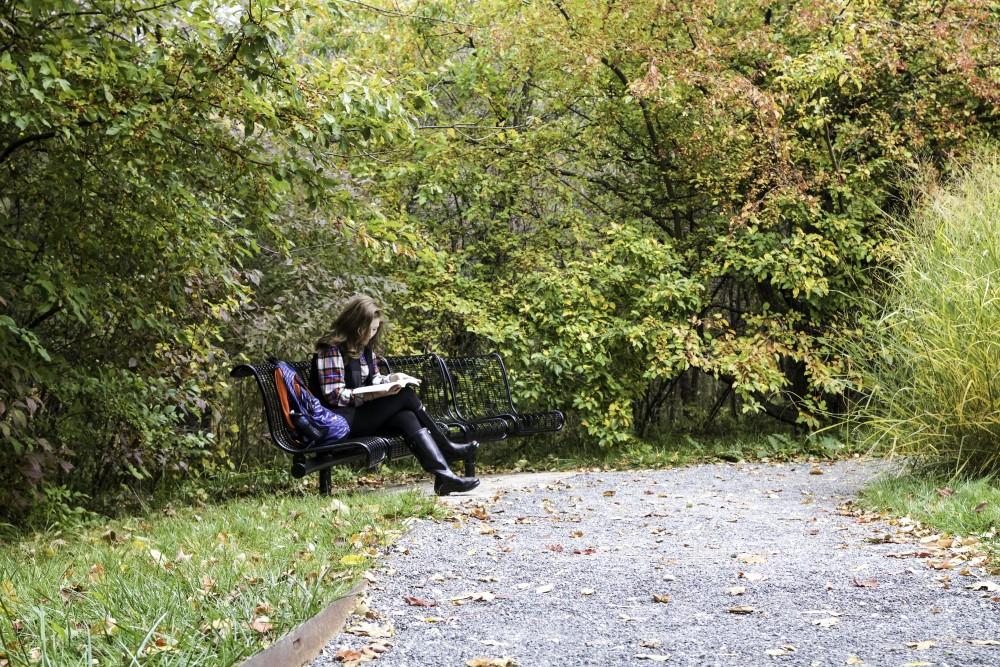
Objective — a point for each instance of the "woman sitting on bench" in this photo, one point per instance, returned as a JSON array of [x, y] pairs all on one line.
[[345, 361]]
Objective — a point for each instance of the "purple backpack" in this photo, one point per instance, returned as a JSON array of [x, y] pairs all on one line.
[[312, 422]]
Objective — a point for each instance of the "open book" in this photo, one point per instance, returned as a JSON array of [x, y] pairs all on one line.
[[396, 380]]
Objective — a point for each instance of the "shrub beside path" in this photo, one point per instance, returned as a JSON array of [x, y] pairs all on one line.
[[746, 564]]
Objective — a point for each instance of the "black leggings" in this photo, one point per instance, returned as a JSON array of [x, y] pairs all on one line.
[[400, 412]]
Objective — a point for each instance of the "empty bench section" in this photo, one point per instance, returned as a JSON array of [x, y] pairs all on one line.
[[482, 395]]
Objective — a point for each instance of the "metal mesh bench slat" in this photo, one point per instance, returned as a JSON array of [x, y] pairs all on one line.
[[482, 392]]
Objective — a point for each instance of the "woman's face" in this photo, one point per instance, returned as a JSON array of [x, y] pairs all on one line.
[[372, 330]]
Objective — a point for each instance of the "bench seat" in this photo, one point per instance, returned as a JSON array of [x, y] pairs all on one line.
[[469, 398]]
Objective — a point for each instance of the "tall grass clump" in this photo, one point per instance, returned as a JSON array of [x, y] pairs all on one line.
[[929, 364]]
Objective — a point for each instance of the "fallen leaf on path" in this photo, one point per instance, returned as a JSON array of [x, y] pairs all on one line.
[[373, 630], [585, 552], [378, 647], [854, 660], [754, 577], [587, 591], [865, 583], [491, 662], [787, 649], [554, 547], [348, 655], [576, 533], [608, 494], [754, 559], [917, 664], [736, 590], [544, 589], [650, 643], [826, 622], [654, 657], [479, 512], [741, 610], [417, 602], [984, 642], [922, 646], [984, 586], [661, 598]]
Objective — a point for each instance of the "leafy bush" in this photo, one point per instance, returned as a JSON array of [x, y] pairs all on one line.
[[930, 365]]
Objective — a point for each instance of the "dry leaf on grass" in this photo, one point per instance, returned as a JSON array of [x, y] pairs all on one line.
[[261, 624]]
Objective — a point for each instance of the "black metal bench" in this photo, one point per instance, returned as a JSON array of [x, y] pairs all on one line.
[[468, 396], [481, 394]]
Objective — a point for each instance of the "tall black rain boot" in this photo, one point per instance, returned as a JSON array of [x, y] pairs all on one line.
[[453, 451], [432, 460]]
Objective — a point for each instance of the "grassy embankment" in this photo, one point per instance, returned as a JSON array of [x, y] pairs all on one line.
[[204, 585]]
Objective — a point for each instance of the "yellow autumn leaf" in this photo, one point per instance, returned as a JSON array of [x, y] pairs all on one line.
[[352, 559]]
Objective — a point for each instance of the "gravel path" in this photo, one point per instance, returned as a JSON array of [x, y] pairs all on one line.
[[708, 565]]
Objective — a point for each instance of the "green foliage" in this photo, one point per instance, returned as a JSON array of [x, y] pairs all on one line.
[[623, 198], [930, 365], [148, 154], [653, 213]]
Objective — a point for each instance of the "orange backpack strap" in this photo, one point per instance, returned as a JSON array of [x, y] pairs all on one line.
[[279, 383]]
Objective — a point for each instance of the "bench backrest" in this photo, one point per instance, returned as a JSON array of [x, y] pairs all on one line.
[[479, 386], [433, 391], [434, 388], [263, 373]]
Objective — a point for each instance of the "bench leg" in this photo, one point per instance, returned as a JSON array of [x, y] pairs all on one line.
[[324, 482], [470, 466]]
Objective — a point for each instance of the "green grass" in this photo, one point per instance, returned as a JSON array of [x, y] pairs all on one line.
[[196, 586], [930, 365], [948, 505]]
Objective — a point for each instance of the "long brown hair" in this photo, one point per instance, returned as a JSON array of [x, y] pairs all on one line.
[[352, 325]]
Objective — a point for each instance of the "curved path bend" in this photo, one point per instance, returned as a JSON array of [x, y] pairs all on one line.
[[745, 564]]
